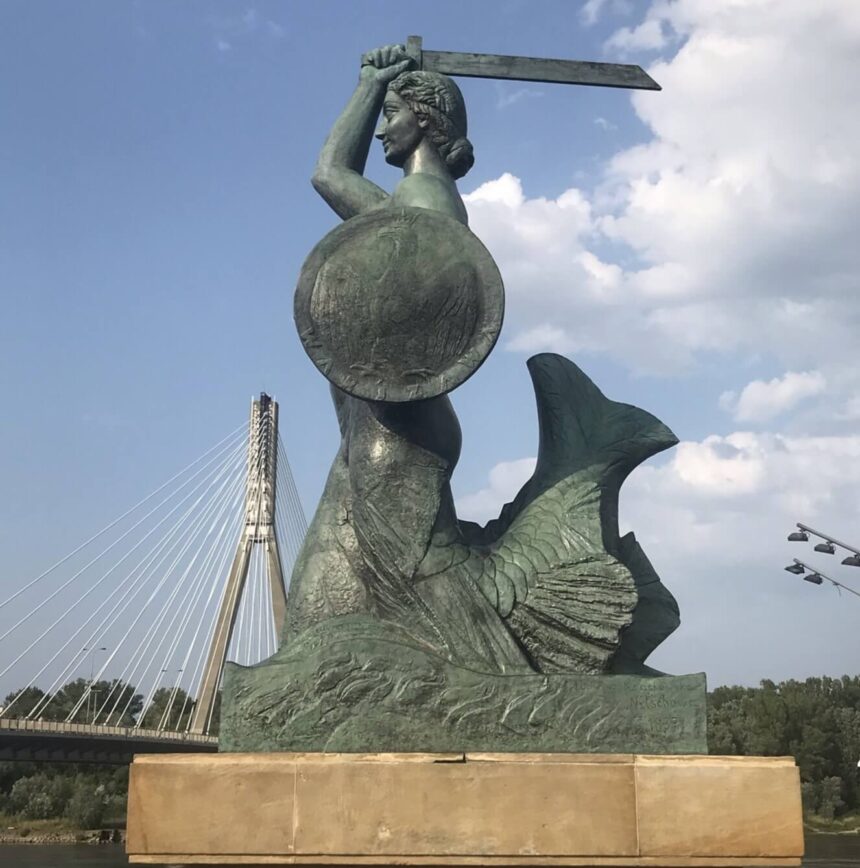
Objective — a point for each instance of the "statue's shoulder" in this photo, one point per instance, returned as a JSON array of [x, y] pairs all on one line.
[[422, 190]]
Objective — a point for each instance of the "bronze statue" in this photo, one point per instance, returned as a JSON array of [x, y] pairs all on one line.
[[399, 615]]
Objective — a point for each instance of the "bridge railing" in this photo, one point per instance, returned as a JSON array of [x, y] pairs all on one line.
[[126, 732]]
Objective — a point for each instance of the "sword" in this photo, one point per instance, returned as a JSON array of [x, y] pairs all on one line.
[[542, 69]]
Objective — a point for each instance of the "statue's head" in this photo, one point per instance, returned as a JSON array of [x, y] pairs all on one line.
[[438, 106]]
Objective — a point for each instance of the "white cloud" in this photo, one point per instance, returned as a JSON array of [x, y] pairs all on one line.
[[721, 466], [505, 480], [730, 230], [556, 287], [761, 401], [506, 97], [228, 30], [648, 36], [714, 520], [592, 10], [544, 338]]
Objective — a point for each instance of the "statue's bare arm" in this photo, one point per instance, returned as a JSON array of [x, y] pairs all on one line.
[[338, 176]]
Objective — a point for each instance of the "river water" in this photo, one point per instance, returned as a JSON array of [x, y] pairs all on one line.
[[823, 851]]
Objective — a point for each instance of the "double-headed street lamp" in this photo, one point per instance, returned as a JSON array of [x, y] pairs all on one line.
[[90, 692], [817, 577], [827, 546]]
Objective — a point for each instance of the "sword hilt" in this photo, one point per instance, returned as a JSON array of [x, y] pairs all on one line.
[[414, 51]]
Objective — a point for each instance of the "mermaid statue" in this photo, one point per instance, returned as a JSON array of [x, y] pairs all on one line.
[[407, 628]]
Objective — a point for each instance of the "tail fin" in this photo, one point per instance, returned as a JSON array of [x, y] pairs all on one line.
[[564, 580]]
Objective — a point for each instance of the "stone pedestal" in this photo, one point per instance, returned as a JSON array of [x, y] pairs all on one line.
[[464, 809]]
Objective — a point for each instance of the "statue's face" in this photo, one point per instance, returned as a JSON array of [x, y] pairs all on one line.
[[399, 131]]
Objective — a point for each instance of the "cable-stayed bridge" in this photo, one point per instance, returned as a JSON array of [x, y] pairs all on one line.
[[119, 647]]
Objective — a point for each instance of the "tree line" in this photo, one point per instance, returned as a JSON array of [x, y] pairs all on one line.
[[111, 703], [817, 721], [85, 796]]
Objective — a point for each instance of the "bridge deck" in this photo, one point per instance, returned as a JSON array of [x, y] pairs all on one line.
[[57, 741]]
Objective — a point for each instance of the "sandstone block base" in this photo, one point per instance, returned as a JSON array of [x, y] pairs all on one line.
[[464, 809]]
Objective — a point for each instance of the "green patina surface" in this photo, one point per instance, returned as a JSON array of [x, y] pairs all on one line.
[[361, 686], [408, 629], [528, 634]]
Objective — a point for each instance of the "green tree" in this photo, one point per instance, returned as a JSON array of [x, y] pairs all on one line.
[[171, 708], [829, 797], [816, 720], [87, 803], [21, 702], [40, 796], [113, 702]]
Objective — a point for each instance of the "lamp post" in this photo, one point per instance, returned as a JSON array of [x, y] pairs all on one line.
[[816, 577], [93, 652], [828, 545]]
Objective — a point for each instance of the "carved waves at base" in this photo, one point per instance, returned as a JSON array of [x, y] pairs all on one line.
[[358, 686]]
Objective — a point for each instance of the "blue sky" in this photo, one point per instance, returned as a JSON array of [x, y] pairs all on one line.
[[690, 249]]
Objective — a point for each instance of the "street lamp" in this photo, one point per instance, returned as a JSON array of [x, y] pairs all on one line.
[[93, 652], [816, 577], [828, 546]]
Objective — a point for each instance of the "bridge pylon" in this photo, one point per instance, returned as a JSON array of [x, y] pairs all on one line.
[[258, 529]]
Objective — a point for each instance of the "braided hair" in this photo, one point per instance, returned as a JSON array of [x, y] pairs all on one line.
[[438, 104]]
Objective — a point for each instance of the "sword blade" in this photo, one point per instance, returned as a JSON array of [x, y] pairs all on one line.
[[538, 69]]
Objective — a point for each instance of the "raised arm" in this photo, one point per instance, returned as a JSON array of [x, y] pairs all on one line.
[[338, 176]]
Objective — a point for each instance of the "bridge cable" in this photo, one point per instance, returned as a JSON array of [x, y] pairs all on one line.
[[116, 521], [80, 571], [214, 556], [180, 532], [259, 472], [185, 540], [142, 652], [245, 602], [230, 541], [143, 566], [48, 630], [166, 548], [194, 589], [43, 702], [174, 544]]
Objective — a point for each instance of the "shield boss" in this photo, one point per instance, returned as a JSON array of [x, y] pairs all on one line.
[[399, 304]]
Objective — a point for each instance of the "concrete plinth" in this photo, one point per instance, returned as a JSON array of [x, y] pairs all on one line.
[[464, 809]]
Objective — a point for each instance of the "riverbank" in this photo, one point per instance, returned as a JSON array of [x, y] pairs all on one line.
[[14, 830], [95, 836], [848, 824]]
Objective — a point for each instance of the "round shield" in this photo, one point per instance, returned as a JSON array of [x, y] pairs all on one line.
[[399, 304]]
